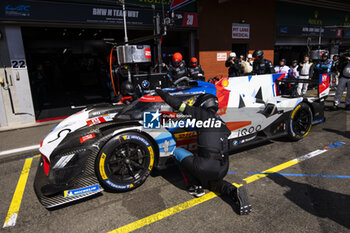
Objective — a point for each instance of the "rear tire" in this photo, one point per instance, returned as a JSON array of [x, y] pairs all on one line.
[[125, 162], [300, 122]]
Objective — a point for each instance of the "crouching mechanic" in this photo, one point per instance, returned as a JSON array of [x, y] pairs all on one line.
[[210, 166]]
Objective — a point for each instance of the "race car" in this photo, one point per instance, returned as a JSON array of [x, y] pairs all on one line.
[[115, 147]]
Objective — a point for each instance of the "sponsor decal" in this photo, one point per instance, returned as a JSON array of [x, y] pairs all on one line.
[[87, 137], [190, 101], [249, 130], [20, 10], [239, 142], [165, 146], [185, 135], [145, 84], [119, 186], [141, 139], [187, 140], [147, 53], [99, 120], [81, 191], [323, 85]]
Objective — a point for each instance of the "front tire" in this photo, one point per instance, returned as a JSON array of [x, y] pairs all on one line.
[[300, 122], [124, 162]]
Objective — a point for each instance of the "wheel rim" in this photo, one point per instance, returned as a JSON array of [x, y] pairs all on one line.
[[127, 162], [301, 122]]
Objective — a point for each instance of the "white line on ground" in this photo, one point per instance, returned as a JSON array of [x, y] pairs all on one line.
[[22, 149]]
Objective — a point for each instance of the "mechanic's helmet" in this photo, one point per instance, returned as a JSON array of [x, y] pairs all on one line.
[[127, 89], [207, 101], [283, 60], [258, 54], [193, 62], [177, 58], [233, 54], [325, 54], [249, 56], [295, 61]]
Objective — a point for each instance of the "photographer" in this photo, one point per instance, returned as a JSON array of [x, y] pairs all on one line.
[[235, 66]]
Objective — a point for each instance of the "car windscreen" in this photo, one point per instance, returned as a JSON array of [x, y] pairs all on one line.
[[135, 110]]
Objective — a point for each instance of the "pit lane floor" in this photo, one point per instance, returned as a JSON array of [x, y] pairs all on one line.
[[293, 202]]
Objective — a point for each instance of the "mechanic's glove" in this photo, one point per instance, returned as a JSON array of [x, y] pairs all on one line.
[[171, 100]]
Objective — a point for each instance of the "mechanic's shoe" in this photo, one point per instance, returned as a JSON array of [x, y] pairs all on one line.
[[241, 197], [347, 107], [196, 191]]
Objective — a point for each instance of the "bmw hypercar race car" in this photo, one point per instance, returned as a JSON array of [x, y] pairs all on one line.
[[115, 147]]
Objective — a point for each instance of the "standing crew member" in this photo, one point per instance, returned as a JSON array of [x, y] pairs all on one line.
[[334, 71], [282, 68], [324, 66], [306, 71], [344, 80], [235, 66], [261, 65], [211, 164], [178, 67], [195, 70], [293, 70]]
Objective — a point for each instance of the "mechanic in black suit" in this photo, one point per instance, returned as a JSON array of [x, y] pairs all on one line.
[[210, 166], [177, 69], [262, 65]]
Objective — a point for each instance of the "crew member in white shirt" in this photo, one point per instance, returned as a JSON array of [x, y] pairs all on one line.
[[282, 68], [306, 70]]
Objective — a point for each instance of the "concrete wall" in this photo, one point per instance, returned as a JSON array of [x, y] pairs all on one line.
[[215, 32], [18, 86]]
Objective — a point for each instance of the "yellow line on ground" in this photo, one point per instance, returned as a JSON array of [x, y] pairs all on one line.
[[193, 202], [36, 156], [17, 196], [165, 213]]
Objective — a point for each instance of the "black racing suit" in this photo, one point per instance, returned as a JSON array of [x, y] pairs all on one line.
[[196, 73], [235, 69], [211, 164], [177, 72], [263, 66]]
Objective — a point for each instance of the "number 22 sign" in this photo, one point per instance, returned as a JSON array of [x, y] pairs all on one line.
[[20, 63]]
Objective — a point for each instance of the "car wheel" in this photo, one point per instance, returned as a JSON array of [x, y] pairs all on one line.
[[300, 122], [125, 162]]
